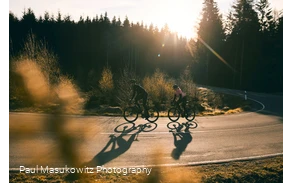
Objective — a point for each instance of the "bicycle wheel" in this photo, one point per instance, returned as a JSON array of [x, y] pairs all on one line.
[[153, 115], [190, 114], [173, 125], [148, 127], [173, 114], [130, 114]]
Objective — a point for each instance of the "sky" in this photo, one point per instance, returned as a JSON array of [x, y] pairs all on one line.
[[182, 16]]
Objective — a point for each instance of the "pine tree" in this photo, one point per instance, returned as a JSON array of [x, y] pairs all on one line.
[[265, 14], [210, 34], [246, 42]]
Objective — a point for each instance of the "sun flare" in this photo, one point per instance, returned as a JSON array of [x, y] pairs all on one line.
[[181, 16]]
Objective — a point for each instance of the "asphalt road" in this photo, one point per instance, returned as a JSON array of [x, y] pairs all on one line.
[[54, 141]]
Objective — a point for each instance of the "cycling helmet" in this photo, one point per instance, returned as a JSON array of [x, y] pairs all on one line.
[[174, 86]]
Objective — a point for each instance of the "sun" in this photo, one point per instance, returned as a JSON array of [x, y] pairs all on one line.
[[180, 16]]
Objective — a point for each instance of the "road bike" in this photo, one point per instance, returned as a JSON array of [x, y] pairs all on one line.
[[132, 112], [174, 113]]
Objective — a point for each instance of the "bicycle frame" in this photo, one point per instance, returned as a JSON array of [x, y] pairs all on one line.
[[151, 117], [138, 107], [188, 112]]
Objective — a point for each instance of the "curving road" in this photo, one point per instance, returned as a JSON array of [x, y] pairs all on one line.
[[99, 141]]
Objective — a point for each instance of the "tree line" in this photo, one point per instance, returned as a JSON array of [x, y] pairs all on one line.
[[243, 50]]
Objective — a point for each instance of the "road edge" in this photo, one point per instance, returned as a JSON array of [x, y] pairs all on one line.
[[250, 158]]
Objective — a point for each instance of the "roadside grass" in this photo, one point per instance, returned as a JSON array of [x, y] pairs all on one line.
[[208, 103], [262, 170], [265, 170]]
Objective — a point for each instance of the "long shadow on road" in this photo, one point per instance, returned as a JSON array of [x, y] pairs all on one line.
[[117, 145], [181, 135]]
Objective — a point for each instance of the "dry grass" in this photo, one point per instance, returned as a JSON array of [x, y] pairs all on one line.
[[264, 170], [207, 111], [45, 90], [36, 83], [233, 111]]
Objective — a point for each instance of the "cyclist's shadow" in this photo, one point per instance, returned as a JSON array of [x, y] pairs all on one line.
[[181, 140], [119, 145]]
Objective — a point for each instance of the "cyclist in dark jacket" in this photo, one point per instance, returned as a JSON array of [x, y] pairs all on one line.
[[139, 93]]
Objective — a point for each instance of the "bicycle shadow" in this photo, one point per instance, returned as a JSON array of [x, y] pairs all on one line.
[[182, 137], [118, 145]]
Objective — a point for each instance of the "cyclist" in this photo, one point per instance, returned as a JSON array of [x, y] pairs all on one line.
[[139, 93], [181, 98]]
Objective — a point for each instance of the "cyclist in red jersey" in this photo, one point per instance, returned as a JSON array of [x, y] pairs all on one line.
[[181, 98]]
